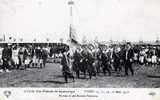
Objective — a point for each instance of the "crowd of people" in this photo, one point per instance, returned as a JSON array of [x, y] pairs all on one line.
[[86, 61], [90, 62], [22, 57]]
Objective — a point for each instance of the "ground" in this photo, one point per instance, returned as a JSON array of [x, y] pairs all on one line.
[[51, 76]]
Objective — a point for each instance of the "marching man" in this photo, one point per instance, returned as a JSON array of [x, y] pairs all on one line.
[[66, 67]]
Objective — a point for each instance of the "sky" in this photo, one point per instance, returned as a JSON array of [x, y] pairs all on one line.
[[130, 20]]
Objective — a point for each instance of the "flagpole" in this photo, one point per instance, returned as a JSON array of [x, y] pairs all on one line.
[[70, 4]]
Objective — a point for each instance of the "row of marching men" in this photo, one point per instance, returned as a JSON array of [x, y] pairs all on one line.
[[22, 57], [91, 62], [119, 59]]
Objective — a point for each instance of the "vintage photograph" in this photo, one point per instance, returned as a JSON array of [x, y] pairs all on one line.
[[80, 43]]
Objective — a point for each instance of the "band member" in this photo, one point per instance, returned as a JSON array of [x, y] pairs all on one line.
[[128, 59], [65, 67]]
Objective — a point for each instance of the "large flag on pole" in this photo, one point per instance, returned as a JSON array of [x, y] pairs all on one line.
[[73, 43], [72, 35]]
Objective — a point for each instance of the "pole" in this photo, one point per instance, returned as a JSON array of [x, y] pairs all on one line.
[[71, 3]]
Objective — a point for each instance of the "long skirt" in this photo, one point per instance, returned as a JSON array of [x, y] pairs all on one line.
[[141, 59], [154, 59], [35, 59], [16, 60]]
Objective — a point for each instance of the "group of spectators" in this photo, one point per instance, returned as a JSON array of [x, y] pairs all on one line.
[[13, 56]]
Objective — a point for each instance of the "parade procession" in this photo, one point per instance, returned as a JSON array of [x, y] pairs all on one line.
[[78, 44], [86, 62]]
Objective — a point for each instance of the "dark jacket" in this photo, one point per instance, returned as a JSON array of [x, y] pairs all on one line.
[[6, 54], [65, 66], [130, 55], [116, 57], [105, 59]]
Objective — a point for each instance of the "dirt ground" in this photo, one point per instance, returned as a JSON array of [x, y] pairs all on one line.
[[51, 76]]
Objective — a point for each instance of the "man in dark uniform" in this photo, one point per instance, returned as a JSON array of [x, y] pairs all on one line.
[[84, 62], [128, 59], [76, 62], [116, 57], [105, 63], [90, 68], [65, 68]]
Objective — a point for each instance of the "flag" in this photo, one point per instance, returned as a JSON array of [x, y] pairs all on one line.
[[72, 35], [73, 45]]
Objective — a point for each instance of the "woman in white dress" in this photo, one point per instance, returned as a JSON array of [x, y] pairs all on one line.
[[141, 58], [135, 57], [154, 59], [27, 59], [34, 57], [27, 62], [149, 58], [15, 58]]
